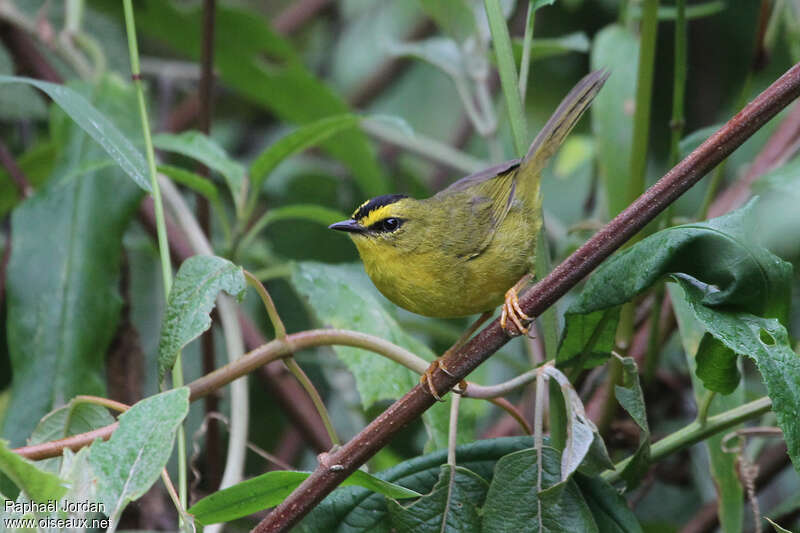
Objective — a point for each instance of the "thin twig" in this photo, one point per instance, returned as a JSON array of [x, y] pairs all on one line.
[[565, 276]]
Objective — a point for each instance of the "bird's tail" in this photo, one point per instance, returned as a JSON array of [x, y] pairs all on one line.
[[563, 120]]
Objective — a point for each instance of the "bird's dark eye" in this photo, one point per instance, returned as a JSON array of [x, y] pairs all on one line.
[[389, 224]]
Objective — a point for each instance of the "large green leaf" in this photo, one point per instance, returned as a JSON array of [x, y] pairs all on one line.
[[263, 67], [201, 147], [130, 462], [766, 341], [268, 490], [513, 503], [342, 296], [452, 506], [191, 300], [357, 510], [97, 125], [738, 290], [722, 464], [38, 485], [617, 49], [720, 254], [63, 274]]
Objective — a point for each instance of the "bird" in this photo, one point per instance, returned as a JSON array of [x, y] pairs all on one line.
[[471, 246]]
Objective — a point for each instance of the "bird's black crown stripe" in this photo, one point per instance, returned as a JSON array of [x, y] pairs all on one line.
[[379, 201]]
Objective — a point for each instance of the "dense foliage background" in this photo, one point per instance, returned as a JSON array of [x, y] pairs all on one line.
[[316, 106]]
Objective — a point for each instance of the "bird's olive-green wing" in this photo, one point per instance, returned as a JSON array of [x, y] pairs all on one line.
[[480, 203]]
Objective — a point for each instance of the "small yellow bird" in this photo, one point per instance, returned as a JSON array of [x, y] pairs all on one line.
[[471, 246]]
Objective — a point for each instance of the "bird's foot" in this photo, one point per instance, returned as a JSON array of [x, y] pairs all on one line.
[[427, 377], [513, 312]]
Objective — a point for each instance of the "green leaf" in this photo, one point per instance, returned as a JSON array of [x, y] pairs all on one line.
[[268, 490], [716, 366], [737, 290], [631, 398], [609, 508], [456, 18], [547, 47], [588, 338], [194, 181], [73, 418], [191, 300], [99, 128], [63, 298], [536, 4], [453, 505], [723, 465], [719, 253], [202, 148], [766, 341], [37, 485], [583, 438], [342, 296], [295, 142], [513, 503], [358, 510], [263, 67], [130, 462], [616, 49]]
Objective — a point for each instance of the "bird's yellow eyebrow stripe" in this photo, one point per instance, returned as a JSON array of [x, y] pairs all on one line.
[[375, 215]]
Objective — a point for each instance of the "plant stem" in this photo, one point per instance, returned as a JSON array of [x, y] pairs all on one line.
[[705, 405], [695, 432], [272, 311], [452, 433], [163, 246], [644, 93], [508, 75], [525, 62], [301, 376], [679, 81]]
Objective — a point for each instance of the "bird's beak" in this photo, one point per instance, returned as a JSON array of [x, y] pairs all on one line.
[[350, 226]]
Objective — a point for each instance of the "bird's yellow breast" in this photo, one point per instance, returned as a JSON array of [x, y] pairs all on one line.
[[430, 279]]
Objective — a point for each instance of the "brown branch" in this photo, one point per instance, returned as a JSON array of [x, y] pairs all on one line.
[[342, 462], [205, 91], [36, 452], [26, 55]]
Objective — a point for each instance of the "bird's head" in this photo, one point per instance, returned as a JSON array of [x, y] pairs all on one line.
[[381, 223]]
